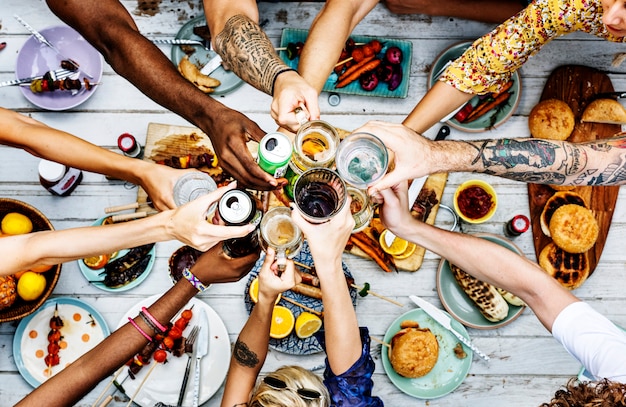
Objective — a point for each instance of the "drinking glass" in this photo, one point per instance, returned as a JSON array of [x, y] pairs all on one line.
[[192, 186], [319, 193], [279, 232], [315, 145], [361, 209], [361, 159]]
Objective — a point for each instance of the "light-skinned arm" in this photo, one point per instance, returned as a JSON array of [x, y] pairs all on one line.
[[186, 223], [108, 26], [246, 49], [341, 328], [71, 384], [252, 343], [485, 260], [598, 162]]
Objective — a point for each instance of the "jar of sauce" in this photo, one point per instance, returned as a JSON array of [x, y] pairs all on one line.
[[59, 179]]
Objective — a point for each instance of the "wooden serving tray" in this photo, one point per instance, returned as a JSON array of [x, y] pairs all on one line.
[[577, 85]]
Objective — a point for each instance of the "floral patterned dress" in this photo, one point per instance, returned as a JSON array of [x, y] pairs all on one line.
[[492, 59]]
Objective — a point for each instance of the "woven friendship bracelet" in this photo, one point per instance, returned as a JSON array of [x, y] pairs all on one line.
[[194, 280], [141, 331], [146, 313]]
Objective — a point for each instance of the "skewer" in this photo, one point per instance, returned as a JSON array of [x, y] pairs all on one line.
[[120, 370], [304, 266], [285, 48], [129, 216], [142, 383], [119, 208], [380, 341], [343, 62], [382, 297], [296, 303]]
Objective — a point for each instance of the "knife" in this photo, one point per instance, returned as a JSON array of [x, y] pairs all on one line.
[[203, 349], [618, 95], [43, 40], [444, 320], [444, 131], [212, 65], [414, 191]]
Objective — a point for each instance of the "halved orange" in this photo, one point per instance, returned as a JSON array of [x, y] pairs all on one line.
[[96, 262], [307, 324], [398, 246], [283, 322], [407, 253], [253, 291]]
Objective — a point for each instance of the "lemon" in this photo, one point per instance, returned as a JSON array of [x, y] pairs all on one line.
[[15, 223], [307, 324], [407, 253], [254, 291], [397, 247], [282, 322], [31, 285]]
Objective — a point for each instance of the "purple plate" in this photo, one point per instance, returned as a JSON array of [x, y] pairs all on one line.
[[36, 59]]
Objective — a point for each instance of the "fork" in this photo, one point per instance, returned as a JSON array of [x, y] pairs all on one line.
[[180, 41], [56, 74], [189, 345]]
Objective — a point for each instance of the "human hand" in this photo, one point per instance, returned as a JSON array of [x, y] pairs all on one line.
[[290, 92], [411, 153], [271, 281], [229, 132], [393, 211], [188, 223], [327, 240], [214, 266], [158, 181]]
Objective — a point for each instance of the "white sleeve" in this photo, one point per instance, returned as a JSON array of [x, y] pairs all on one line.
[[597, 343]]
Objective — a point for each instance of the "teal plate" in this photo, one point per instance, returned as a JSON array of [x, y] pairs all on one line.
[[93, 276], [459, 305], [229, 80], [483, 123], [297, 35], [449, 371]]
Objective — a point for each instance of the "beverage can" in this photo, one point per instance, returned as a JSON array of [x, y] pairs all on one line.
[[292, 175], [237, 208], [274, 154]]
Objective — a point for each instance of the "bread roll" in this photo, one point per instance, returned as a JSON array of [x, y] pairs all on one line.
[[569, 269], [413, 352], [555, 202], [551, 119], [574, 228], [604, 111]]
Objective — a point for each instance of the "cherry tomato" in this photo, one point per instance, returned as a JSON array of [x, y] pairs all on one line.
[[53, 348], [54, 336], [175, 332], [376, 45], [160, 355], [187, 314], [52, 360], [181, 323], [168, 342]]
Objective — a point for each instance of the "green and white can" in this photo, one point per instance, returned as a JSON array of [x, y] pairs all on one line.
[[275, 151]]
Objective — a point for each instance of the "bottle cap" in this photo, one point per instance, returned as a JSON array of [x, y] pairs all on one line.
[[51, 171], [126, 142], [520, 223], [334, 99]]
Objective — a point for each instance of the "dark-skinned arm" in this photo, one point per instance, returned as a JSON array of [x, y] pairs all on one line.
[[108, 26]]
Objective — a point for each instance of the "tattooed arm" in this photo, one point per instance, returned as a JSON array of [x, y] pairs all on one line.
[[247, 50], [251, 347], [599, 162]]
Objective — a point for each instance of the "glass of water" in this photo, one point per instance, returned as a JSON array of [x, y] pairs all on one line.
[[361, 159]]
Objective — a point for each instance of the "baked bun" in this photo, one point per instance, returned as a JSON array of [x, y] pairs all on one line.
[[574, 228], [604, 111], [551, 119], [413, 352], [555, 202], [562, 187], [569, 269]]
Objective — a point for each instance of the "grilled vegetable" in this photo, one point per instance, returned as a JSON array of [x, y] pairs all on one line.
[[46, 84], [128, 267], [359, 69], [394, 55], [373, 250], [489, 301], [511, 298]]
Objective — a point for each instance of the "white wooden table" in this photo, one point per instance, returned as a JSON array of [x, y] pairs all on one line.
[[527, 365]]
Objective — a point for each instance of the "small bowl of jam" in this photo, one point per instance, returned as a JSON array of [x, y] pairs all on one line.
[[475, 201]]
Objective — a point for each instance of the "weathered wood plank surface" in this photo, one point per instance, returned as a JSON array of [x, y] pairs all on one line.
[[527, 364]]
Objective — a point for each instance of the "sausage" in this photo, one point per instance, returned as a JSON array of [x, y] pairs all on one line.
[[308, 290]]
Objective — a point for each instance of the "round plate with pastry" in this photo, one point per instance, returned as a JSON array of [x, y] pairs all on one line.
[[229, 81], [451, 367], [460, 306], [493, 117]]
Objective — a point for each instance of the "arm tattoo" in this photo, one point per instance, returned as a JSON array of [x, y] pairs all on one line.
[[244, 356], [248, 51]]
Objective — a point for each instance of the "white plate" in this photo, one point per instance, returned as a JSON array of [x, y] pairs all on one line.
[[165, 381], [29, 352]]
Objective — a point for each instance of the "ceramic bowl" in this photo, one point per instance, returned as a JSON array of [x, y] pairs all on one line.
[[474, 204]]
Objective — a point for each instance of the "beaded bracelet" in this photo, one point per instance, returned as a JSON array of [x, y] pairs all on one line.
[[141, 331], [149, 323], [144, 311], [194, 280]]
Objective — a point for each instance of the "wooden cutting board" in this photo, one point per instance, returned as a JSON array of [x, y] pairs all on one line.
[[576, 85], [164, 140]]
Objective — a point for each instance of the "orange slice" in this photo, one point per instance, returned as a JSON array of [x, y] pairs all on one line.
[[307, 324], [407, 253], [282, 322], [398, 246], [253, 291]]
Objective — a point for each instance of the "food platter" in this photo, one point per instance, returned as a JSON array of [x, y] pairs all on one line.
[[165, 381], [449, 371], [483, 123], [299, 35], [93, 276], [36, 59], [229, 80], [459, 305], [30, 341], [292, 344]]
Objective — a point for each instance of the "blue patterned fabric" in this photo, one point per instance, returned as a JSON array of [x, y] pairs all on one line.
[[354, 386]]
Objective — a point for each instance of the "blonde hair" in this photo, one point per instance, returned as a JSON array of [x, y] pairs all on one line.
[[296, 378]]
